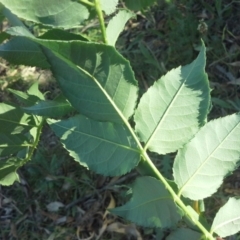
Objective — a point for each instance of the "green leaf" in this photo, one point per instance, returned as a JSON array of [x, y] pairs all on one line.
[[55, 13], [1, 13], [13, 120], [173, 109], [8, 168], [116, 25], [34, 90], [58, 34], [227, 220], [199, 167], [183, 234], [12, 143], [12, 18], [108, 7], [4, 36], [29, 98], [137, 5], [20, 50], [50, 109], [104, 147], [100, 84], [151, 205]]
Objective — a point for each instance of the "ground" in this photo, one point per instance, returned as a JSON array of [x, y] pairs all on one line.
[[59, 199]]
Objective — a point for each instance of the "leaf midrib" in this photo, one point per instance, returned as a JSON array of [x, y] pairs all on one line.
[[225, 223], [99, 138], [161, 120]]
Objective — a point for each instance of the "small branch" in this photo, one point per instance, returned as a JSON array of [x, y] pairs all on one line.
[[101, 20], [176, 198], [87, 3], [34, 145]]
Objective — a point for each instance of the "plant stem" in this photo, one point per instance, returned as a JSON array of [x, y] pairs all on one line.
[[87, 3], [146, 166], [35, 143], [101, 20], [176, 198]]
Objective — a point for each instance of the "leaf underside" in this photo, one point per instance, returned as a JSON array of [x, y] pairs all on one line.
[[108, 7], [116, 25], [174, 108], [199, 167], [227, 220]]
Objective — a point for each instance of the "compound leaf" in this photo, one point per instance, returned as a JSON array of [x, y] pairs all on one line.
[[116, 25], [106, 148], [227, 220], [8, 168], [151, 205], [55, 13], [199, 167], [174, 108], [183, 234]]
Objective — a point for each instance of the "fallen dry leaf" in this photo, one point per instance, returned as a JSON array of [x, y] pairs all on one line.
[[124, 229], [54, 206]]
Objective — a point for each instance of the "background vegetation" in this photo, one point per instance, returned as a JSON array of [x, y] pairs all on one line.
[[59, 199]]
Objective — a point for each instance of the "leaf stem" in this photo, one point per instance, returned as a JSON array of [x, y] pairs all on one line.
[[146, 165], [176, 198], [35, 143], [87, 3], [101, 20]]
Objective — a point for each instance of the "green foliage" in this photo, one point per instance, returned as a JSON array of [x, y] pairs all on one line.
[[174, 108], [116, 25], [56, 14], [95, 137], [215, 150], [226, 221], [99, 104], [153, 208]]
